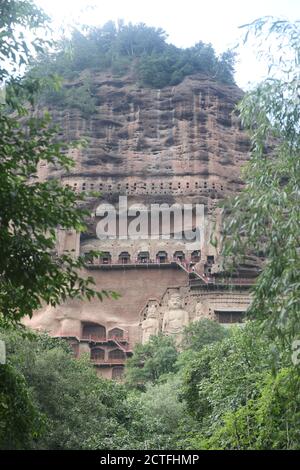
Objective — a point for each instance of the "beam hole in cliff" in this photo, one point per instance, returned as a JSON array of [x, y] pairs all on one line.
[[93, 331]]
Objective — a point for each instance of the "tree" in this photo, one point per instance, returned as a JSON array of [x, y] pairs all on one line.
[[225, 374], [139, 39], [225, 67], [135, 48], [54, 401], [30, 271], [265, 216], [159, 415], [16, 16], [269, 422], [202, 332], [151, 360], [20, 420], [237, 397]]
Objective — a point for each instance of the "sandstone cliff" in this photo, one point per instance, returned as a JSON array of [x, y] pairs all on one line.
[[179, 141], [181, 144]]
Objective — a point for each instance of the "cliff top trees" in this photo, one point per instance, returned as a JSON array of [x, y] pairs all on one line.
[[119, 47]]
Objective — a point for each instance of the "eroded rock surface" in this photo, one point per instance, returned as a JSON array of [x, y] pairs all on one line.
[[181, 141], [181, 144]]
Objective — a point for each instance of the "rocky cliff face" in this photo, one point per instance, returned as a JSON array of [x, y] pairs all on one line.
[[179, 141], [181, 144]]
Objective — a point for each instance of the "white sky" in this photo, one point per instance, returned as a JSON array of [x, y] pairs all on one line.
[[185, 21]]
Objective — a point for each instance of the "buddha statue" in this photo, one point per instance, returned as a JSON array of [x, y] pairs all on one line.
[[150, 326], [174, 317]]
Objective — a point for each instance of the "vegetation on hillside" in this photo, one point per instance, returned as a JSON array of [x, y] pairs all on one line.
[[218, 393], [122, 48], [138, 48]]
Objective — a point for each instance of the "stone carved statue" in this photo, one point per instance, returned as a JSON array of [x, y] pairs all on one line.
[[202, 311], [174, 317], [150, 326]]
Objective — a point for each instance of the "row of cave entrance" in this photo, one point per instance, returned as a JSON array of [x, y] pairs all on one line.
[[144, 257], [96, 332]]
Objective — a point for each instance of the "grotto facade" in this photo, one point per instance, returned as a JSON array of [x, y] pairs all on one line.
[[178, 145]]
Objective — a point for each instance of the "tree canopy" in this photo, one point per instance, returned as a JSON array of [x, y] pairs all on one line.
[[222, 395], [151, 361], [265, 216], [136, 48]]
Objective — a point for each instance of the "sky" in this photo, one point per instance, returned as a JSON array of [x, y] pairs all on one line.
[[185, 21]]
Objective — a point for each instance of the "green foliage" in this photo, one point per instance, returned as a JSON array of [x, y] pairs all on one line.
[[15, 17], [222, 395], [78, 407], [78, 97], [30, 271], [136, 40], [20, 421], [269, 422], [224, 375], [202, 332], [265, 216], [224, 68], [159, 415], [239, 403], [123, 48], [227, 390], [150, 361], [171, 66]]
